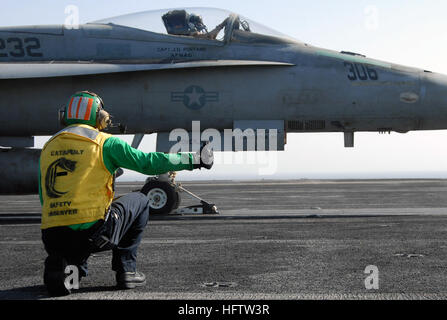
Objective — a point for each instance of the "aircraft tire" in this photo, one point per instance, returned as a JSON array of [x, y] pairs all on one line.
[[178, 200], [163, 198]]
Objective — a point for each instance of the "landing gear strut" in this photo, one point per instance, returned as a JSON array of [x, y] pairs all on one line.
[[164, 197]]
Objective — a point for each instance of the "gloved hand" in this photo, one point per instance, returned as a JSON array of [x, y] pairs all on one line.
[[204, 158]]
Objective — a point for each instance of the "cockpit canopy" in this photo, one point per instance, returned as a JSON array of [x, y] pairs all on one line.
[[203, 23]]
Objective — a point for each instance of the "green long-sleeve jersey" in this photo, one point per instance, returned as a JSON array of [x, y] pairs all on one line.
[[118, 154]]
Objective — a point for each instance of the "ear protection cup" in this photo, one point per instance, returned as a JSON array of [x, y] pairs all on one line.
[[102, 119]]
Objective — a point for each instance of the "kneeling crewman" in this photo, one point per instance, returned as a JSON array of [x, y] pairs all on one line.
[[76, 188]]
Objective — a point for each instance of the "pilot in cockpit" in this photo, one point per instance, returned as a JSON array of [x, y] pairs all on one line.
[[179, 22]]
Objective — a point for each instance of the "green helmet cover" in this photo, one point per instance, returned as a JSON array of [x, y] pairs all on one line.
[[82, 109]]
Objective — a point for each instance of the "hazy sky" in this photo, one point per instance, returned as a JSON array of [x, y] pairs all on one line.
[[408, 32]]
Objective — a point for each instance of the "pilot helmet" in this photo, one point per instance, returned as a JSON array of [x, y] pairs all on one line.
[[197, 22], [86, 107]]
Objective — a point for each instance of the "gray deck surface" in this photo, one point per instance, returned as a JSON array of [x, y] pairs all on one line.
[[271, 240]]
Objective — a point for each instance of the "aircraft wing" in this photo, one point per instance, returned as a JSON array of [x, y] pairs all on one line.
[[66, 69]]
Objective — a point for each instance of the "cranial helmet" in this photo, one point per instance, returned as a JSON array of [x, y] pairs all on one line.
[[197, 22], [86, 108]]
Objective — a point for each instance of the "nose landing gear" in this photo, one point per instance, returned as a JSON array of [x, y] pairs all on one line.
[[164, 197]]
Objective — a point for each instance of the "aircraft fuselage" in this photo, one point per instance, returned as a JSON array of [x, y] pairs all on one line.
[[321, 90]]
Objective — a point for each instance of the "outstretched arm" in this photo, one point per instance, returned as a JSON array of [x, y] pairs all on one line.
[[118, 154]]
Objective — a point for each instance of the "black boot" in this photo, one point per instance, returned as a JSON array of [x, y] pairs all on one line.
[[54, 276], [130, 280]]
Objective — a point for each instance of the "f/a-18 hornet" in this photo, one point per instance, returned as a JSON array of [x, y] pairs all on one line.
[[167, 69]]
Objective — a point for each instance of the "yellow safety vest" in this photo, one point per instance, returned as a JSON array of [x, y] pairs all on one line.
[[75, 184]]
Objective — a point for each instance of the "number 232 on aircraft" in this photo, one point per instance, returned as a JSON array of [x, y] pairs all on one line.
[[19, 48]]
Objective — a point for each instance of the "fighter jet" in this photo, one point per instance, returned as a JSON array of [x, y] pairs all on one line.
[[176, 68]]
